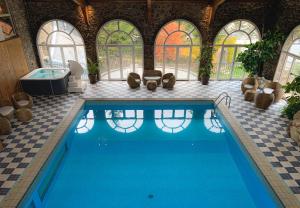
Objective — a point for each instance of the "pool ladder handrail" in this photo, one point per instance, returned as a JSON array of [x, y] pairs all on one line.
[[219, 99]]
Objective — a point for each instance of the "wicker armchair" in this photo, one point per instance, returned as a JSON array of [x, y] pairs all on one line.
[[6, 109], [156, 74], [22, 100], [249, 83], [277, 90], [168, 81], [133, 80]]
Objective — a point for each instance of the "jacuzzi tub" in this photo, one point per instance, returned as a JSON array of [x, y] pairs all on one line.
[[46, 81]]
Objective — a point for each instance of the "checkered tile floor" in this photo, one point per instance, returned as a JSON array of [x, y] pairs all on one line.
[[267, 128]]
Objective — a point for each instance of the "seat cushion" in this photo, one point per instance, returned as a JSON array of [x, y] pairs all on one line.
[[165, 80], [6, 110], [23, 102], [249, 86], [268, 90], [152, 78], [137, 80]]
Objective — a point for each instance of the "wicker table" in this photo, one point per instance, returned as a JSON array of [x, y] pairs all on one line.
[[263, 100], [24, 114], [151, 85]]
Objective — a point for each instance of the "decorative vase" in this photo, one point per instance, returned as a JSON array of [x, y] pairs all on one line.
[[204, 79], [261, 83], [93, 78]]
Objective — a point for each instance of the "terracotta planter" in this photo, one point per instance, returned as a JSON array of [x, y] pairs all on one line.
[[205, 80], [93, 78]]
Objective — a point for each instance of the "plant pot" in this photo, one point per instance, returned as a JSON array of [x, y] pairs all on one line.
[[98, 75], [205, 79], [93, 78]]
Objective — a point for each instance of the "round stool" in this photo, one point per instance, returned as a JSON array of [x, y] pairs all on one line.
[[263, 100], [5, 126], [24, 114], [151, 85], [249, 95]]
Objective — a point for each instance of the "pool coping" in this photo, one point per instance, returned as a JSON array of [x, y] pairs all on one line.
[[16, 194]]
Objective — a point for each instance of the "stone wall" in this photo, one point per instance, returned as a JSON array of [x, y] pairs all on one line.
[[40, 11], [18, 13]]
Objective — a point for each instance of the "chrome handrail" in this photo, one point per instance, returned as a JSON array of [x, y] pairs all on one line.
[[219, 99]]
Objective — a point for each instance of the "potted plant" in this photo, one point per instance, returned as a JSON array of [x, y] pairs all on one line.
[[205, 65], [293, 100], [256, 54], [93, 71]]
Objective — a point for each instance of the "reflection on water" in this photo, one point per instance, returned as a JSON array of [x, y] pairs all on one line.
[[86, 123], [173, 121], [212, 124], [125, 121]]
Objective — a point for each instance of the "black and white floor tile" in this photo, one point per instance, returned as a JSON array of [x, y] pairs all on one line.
[[266, 127]]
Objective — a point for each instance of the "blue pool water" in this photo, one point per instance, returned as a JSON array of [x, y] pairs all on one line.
[[48, 74], [149, 154]]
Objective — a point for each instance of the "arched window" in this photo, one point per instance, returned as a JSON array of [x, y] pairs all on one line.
[[289, 63], [173, 121], [212, 124], [177, 49], [229, 42], [58, 42], [124, 121], [86, 123], [120, 50]]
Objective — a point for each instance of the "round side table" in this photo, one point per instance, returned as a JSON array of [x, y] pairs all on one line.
[[151, 85], [263, 100]]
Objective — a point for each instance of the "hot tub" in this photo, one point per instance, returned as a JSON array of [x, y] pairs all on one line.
[[46, 81]]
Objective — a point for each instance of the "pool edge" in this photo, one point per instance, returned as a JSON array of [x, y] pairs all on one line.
[[18, 191]]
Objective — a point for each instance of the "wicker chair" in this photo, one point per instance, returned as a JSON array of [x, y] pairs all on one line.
[[156, 74], [22, 100], [168, 81], [249, 83], [6, 109], [133, 80], [276, 88]]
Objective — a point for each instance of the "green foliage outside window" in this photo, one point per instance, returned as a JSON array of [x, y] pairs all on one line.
[[293, 100]]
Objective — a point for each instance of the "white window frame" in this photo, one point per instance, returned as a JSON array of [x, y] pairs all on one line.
[[235, 46], [285, 54], [177, 47], [60, 46], [119, 47]]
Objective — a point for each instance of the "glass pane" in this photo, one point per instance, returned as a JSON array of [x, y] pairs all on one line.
[[254, 37], [237, 38], [64, 26], [42, 38], [81, 58], [183, 62], [295, 48], [127, 65], [233, 26], [195, 35], [247, 27], [44, 56], [220, 37], [238, 71], [50, 27], [296, 67], [69, 54], [60, 38], [186, 26], [119, 38], [114, 62], [172, 26], [215, 60], [102, 37], [102, 61], [178, 38], [139, 59], [159, 57], [126, 27], [111, 26], [226, 63], [77, 37], [56, 57], [286, 69], [136, 37], [170, 59], [195, 63], [161, 37]]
